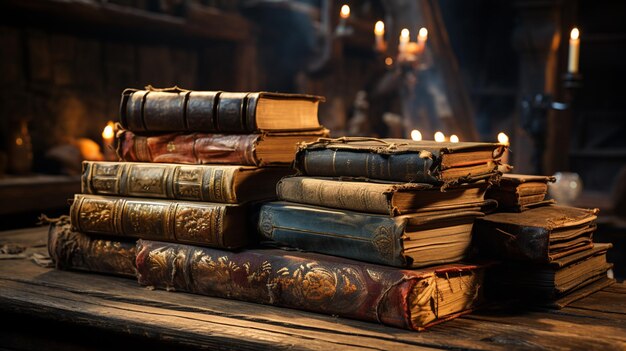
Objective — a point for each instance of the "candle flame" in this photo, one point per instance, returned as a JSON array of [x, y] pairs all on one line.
[[388, 61], [345, 11], [107, 133], [439, 137], [423, 34], [454, 138], [503, 138], [404, 34], [416, 135], [379, 28], [574, 34]]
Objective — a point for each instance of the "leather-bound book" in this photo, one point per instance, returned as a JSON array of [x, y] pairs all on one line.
[[378, 197], [414, 240], [558, 283], [519, 192], [412, 299], [399, 160], [212, 183], [266, 149], [202, 223], [74, 250], [178, 110], [540, 235]]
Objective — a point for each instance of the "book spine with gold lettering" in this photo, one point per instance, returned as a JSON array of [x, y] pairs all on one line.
[[200, 223]]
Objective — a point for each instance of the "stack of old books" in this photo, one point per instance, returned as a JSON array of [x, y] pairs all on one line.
[[405, 204], [548, 254]]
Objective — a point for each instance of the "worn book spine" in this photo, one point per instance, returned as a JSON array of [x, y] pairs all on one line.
[[317, 283], [212, 183], [361, 236], [193, 148], [201, 223], [401, 167], [181, 110], [73, 250], [511, 242], [355, 196]]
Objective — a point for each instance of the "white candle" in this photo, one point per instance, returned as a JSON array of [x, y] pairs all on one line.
[[504, 140], [440, 137], [379, 32], [404, 40], [454, 138], [574, 51], [107, 139], [416, 135], [422, 35]]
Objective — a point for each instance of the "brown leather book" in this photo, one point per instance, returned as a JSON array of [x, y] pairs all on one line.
[[541, 235], [548, 283], [212, 183], [412, 299], [400, 160], [379, 197], [179, 110], [519, 192], [267, 149], [73, 250], [202, 223]]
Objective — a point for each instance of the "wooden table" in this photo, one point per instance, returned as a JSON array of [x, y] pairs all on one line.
[[52, 309]]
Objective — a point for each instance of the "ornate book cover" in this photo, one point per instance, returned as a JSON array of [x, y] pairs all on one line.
[[73, 250], [413, 299], [378, 197], [174, 109], [212, 183], [405, 241], [539, 235], [202, 223], [400, 160], [267, 149]]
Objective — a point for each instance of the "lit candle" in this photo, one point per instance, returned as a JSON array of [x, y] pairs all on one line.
[[454, 138], [422, 35], [574, 51], [388, 61], [416, 135], [345, 12], [404, 40], [439, 137], [379, 32], [107, 138], [504, 140]]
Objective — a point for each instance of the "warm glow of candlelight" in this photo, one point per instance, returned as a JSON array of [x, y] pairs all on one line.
[[454, 138], [574, 51], [379, 28], [345, 11], [439, 137], [107, 133], [422, 35], [388, 61], [404, 35], [574, 34], [503, 138], [416, 135]]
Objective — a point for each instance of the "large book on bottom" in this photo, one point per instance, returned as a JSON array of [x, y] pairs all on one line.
[[414, 240], [412, 299]]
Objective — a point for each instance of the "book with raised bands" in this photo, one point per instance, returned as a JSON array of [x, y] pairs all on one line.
[[178, 110], [412, 299], [378, 197], [201, 223], [267, 149], [519, 192], [539, 235], [399, 160], [414, 240], [212, 183], [73, 250]]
